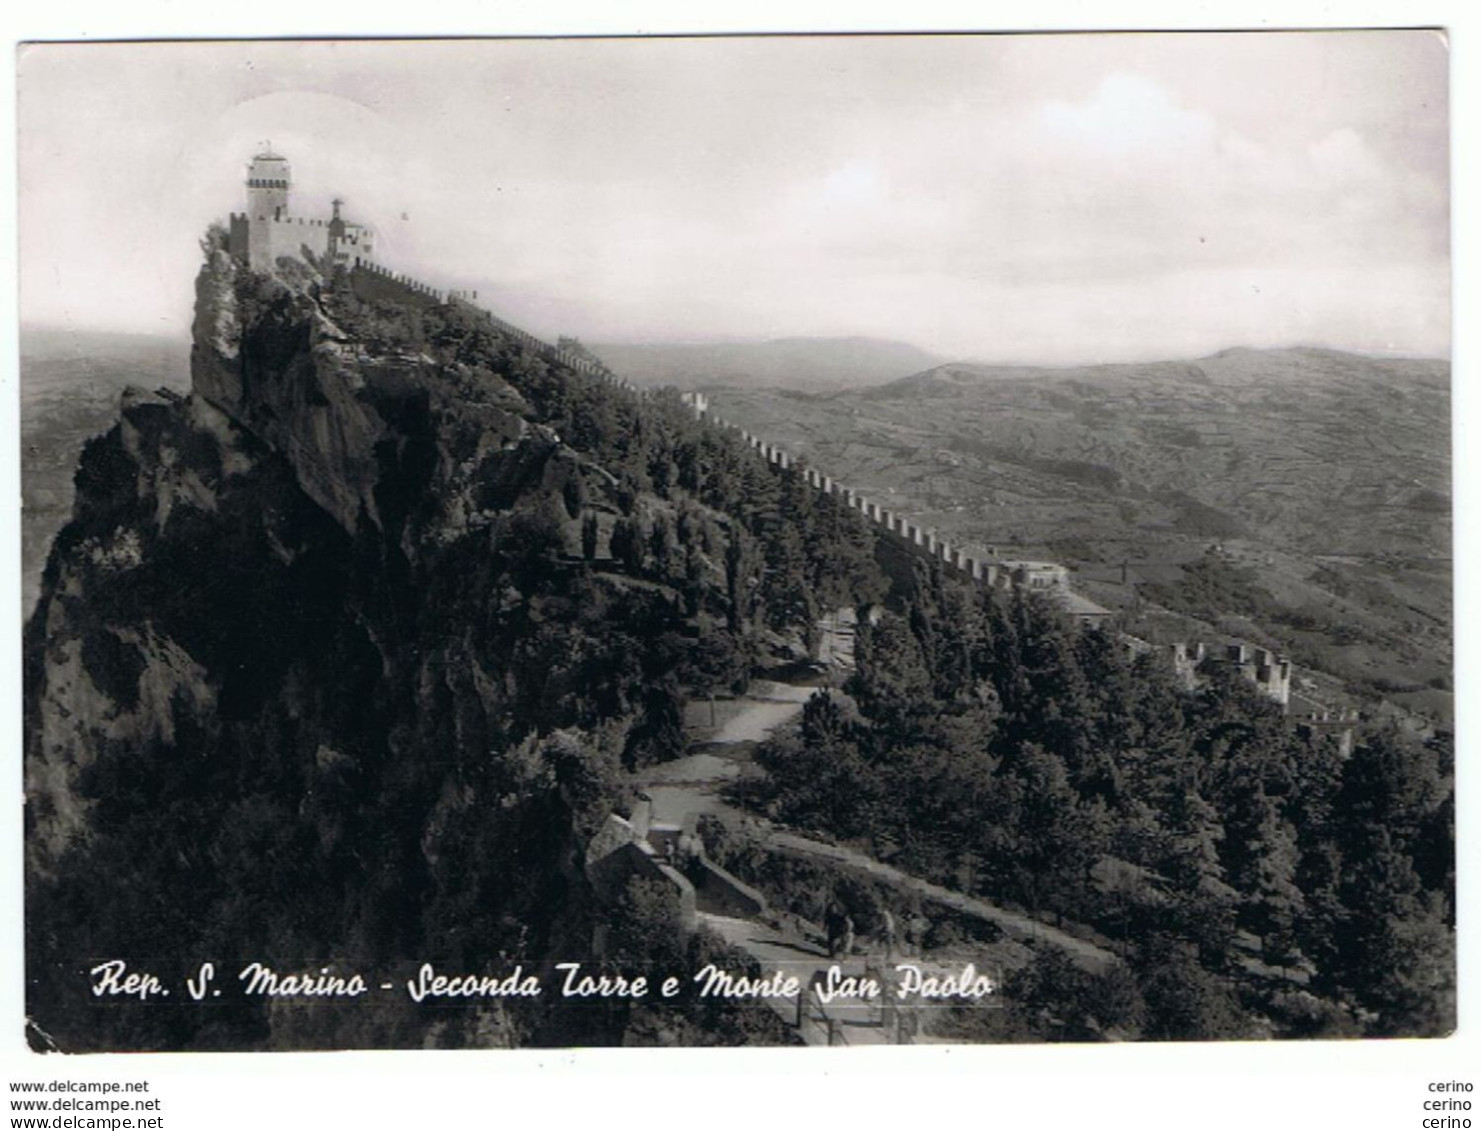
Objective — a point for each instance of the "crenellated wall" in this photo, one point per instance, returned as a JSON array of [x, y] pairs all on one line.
[[266, 239], [1317, 721], [373, 280], [905, 535], [1271, 674], [542, 348]]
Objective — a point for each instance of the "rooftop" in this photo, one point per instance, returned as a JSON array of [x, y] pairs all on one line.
[[1078, 606]]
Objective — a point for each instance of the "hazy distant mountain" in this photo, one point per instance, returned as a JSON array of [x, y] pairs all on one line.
[[70, 385], [809, 364], [1325, 475], [1237, 367]]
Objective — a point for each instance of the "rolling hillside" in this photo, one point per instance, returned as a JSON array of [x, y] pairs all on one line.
[[70, 387], [1322, 478], [813, 364]]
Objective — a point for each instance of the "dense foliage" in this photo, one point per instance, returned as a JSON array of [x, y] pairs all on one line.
[[1253, 880], [390, 746], [352, 750]]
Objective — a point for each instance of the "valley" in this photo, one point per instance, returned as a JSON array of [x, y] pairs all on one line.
[[70, 387], [1316, 482]]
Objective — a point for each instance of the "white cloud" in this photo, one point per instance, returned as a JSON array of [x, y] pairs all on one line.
[[1343, 157], [982, 195], [1128, 114]]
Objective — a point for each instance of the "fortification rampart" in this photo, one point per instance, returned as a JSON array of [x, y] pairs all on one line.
[[1316, 721], [903, 534], [262, 240], [541, 348], [371, 282], [1270, 673]]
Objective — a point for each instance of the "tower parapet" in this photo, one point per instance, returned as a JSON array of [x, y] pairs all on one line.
[[269, 180]]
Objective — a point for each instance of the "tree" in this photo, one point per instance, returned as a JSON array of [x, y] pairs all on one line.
[[1050, 852], [590, 529], [1202, 904], [1395, 956], [627, 544], [1266, 875], [786, 592], [1184, 1002], [742, 577], [1390, 782]]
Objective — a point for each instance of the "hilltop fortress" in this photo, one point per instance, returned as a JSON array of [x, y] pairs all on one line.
[[268, 231]]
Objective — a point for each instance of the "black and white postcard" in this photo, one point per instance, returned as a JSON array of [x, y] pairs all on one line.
[[822, 540]]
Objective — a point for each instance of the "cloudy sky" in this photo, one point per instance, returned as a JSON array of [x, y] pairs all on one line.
[[1047, 199]]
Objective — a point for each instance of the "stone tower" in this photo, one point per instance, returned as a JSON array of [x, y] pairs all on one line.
[[268, 231], [268, 182]]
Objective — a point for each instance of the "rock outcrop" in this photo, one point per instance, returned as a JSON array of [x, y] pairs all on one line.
[[283, 693]]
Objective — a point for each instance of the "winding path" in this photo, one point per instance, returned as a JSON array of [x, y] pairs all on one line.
[[692, 785]]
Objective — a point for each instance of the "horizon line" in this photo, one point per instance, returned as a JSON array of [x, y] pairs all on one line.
[[184, 336]]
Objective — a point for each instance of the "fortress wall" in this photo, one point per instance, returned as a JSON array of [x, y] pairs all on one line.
[[910, 539], [237, 237], [268, 231], [269, 239], [1272, 674], [375, 284], [370, 280]]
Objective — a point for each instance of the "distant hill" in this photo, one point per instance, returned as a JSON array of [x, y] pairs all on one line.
[[1325, 474], [70, 385], [1230, 368], [811, 364]]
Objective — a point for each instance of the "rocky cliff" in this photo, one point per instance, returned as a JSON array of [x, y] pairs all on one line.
[[321, 673]]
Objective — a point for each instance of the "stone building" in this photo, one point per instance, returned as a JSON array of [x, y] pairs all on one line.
[[1038, 576], [268, 229], [1270, 673]]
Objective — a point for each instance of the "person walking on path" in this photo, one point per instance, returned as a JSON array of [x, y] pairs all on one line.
[[887, 934], [833, 921]]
